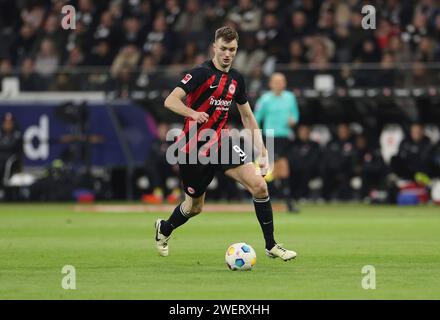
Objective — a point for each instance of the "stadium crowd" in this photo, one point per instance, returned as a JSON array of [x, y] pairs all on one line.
[[131, 39], [134, 37]]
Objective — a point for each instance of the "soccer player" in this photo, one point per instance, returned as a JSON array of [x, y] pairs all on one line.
[[209, 90], [277, 112]]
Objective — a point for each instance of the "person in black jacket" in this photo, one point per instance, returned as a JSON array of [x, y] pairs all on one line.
[[435, 161], [414, 154], [304, 160], [159, 170], [10, 144], [370, 166], [338, 164]]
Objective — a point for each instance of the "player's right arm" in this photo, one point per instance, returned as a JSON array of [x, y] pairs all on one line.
[[174, 102]]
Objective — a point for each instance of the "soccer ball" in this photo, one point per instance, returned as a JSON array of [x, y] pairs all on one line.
[[240, 256]]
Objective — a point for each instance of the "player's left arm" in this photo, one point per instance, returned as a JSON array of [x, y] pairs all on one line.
[[250, 123], [294, 111]]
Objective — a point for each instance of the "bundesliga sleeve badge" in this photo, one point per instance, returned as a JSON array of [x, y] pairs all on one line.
[[186, 78]]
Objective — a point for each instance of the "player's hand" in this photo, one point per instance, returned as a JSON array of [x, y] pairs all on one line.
[[292, 123], [200, 117]]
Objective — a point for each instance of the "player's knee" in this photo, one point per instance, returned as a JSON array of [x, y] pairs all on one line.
[[259, 189], [196, 209]]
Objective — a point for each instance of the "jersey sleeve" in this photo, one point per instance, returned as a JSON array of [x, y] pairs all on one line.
[[192, 79], [241, 97], [294, 108]]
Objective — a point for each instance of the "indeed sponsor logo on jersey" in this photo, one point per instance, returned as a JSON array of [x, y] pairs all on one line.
[[219, 102]]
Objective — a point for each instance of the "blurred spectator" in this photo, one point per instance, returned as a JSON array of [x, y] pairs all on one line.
[[216, 14], [340, 11], [436, 27], [86, 13], [416, 30], [297, 26], [51, 30], [63, 82], [159, 34], [383, 33], [249, 56], [159, 54], [425, 50], [128, 57], [189, 54], [100, 55], [326, 22], [106, 30], [5, 69], [276, 8], [321, 51], [420, 76], [256, 82], [75, 59], [124, 82], [145, 13], [385, 76], [338, 165], [357, 33], [413, 155], [47, 59], [23, 44], [370, 166], [132, 32], [296, 56], [9, 16], [435, 160], [369, 53], [115, 9], [79, 37], [29, 80], [192, 19], [32, 14], [343, 51], [147, 72], [304, 160], [172, 12], [398, 49], [270, 37], [247, 16], [159, 170], [10, 144]]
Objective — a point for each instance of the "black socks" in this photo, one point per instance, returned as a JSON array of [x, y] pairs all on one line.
[[263, 209], [177, 218]]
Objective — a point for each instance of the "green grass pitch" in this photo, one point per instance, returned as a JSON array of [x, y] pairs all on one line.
[[114, 255]]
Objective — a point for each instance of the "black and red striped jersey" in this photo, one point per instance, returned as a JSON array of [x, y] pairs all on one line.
[[212, 91]]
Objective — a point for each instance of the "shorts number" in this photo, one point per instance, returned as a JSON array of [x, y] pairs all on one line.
[[239, 151]]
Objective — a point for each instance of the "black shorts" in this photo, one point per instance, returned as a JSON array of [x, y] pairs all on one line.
[[281, 147], [196, 177]]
